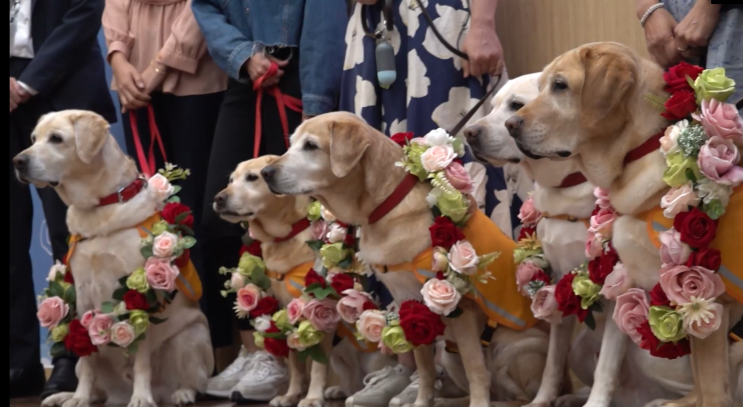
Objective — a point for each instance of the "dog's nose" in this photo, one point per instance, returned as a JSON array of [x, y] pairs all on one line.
[[472, 132], [20, 162], [221, 200], [268, 173], [514, 124]]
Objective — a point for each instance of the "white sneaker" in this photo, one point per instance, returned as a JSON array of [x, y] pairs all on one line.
[[221, 385], [265, 380], [381, 387], [443, 387]]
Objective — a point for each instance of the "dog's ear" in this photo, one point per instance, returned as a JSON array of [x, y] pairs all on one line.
[[91, 133], [348, 142], [609, 77]]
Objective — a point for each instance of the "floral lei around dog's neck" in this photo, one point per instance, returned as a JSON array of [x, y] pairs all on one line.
[[141, 295], [434, 158]]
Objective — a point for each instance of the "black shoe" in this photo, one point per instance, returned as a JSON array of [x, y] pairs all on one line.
[[26, 382], [63, 378]]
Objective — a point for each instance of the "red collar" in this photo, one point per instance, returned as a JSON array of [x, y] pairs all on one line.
[[297, 228], [124, 194], [572, 180], [650, 145], [402, 190]]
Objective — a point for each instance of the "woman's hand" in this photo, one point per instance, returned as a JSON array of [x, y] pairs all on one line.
[[484, 50], [697, 27], [153, 77], [131, 85], [259, 64], [660, 39]]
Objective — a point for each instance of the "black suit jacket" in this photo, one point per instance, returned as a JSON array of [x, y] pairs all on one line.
[[68, 66]]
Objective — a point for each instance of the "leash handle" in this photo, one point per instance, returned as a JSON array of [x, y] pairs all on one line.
[[147, 163], [282, 101]]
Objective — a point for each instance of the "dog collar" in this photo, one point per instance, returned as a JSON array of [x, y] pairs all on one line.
[[572, 180], [297, 228], [650, 145], [402, 190], [124, 194]]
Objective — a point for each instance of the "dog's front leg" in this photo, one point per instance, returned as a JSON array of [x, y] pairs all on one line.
[[425, 364], [467, 335], [319, 376], [611, 356], [83, 392], [554, 372], [142, 394], [297, 372], [712, 365]]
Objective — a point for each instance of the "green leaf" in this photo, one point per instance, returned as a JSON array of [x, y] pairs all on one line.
[[173, 199], [55, 289], [181, 217], [456, 313], [246, 239], [151, 297], [258, 276], [57, 349], [186, 230], [315, 245], [346, 263], [146, 251], [590, 321], [167, 297], [156, 320], [274, 335], [436, 211], [132, 349], [107, 308], [317, 354], [119, 293], [313, 287], [122, 281], [324, 293], [177, 189], [691, 176], [596, 307], [70, 296], [302, 356], [188, 242]]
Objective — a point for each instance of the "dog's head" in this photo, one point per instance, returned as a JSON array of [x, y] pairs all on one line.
[[583, 98], [489, 137], [65, 145]]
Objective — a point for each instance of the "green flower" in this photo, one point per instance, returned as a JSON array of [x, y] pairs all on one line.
[[678, 170], [713, 84], [453, 205], [519, 255], [138, 281], [666, 324], [140, 321], [258, 339], [394, 338], [413, 162], [308, 335], [314, 211], [60, 332], [159, 227], [714, 209], [249, 263], [281, 319], [332, 254], [586, 289]]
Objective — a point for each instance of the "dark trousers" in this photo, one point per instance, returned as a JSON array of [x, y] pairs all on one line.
[[186, 124], [233, 144], [24, 327]]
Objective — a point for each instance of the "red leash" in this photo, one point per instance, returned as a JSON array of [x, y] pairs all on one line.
[[282, 101], [147, 165]]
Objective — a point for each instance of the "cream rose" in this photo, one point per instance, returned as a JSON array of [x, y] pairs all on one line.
[[437, 158], [165, 245], [237, 281], [56, 269], [370, 325], [669, 141], [122, 334], [440, 296], [292, 341], [161, 187], [463, 258], [544, 305], [52, 311], [337, 233], [678, 200]]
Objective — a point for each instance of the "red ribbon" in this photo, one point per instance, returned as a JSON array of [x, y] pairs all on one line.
[[147, 165], [282, 101]]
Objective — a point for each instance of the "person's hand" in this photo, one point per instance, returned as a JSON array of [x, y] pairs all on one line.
[[259, 64], [18, 94], [153, 77], [697, 27], [660, 39], [131, 85], [484, 50]]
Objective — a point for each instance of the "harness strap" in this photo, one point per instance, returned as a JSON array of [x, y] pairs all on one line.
[[147, 164]]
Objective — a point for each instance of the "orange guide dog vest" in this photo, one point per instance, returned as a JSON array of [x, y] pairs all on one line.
[[293, 279]]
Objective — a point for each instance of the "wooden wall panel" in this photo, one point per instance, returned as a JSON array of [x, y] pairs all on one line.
[[533, 32]]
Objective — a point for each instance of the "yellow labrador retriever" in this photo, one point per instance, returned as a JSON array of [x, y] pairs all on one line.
[[593, 107], [74, 152], [248, 199], [350, 168]]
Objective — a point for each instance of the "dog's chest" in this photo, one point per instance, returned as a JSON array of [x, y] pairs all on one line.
[[638, 254], [564, 244]]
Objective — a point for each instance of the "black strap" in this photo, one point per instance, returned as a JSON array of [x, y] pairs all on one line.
[[389, 19], [736, 334]]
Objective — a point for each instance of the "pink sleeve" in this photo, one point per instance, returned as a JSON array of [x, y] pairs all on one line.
[[185, 46], [116, 27]]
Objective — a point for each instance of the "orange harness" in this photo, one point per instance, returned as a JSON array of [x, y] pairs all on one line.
[[293, 279]]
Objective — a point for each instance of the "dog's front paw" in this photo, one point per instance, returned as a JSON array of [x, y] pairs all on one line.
[[335, 393], [571, 400], [287, 400], [447, 402], [77, 402], [420, 404], [141, 401], [183, 397], [57, 400], [539, 404], [312, 402]]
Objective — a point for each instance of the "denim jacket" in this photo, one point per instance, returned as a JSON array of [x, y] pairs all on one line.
[[237, 29]]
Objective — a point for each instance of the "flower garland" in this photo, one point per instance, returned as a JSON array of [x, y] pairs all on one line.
[[124, 321], [702, 170], [399, 332]]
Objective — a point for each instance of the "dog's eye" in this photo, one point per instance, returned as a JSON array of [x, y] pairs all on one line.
[[252, 177], [559, 85], [309, 146], [33, 138], [515, 106], [55, 139]]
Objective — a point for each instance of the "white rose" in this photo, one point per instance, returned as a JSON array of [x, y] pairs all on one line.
[[337, 233], [463, 258], [292, 341], [237, 281], [710, 190], [164, 245], [438, 137], [669, 141], [262, 323], [162, 188], [438, 158], [56, 269], [440, 296]]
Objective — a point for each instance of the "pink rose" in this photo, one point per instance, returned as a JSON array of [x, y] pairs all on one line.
[[122, 334], [602, 198], [702, 326], [87, 318], [528, 213], [594, 245], [616, 282], [672, 249], [459, 178], [248, 297], [161, 275], [351, 306], [602, 221], [718, 161], [680, 283], [161, 187], [295, 309], [370, 325], [52, 311], [524, 273], [437, 158], [631, 311], [237, 281], [440, 296], [100, 329], [544, 305], [463, 258], [721, 120], [322, 314], [164, 245], [318, 229], [679, 200]]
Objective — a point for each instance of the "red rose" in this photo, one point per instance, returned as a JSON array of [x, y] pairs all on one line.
[[567, 301], [658, 297], [526, 232], [369, 306], [78, 340], [266, 306], [444, 233], [658, 349], [600, 267], [313, 278], [541, 276], [680, 105], [171, 212], [711, 259], [402, 138], [273, 329], [68, 278], [421, 326], [276, 347], [440, 276], [350, 239], [184, 259], [676, 77], [697, 229], [135, 300], [254, 249], [341, 283]]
